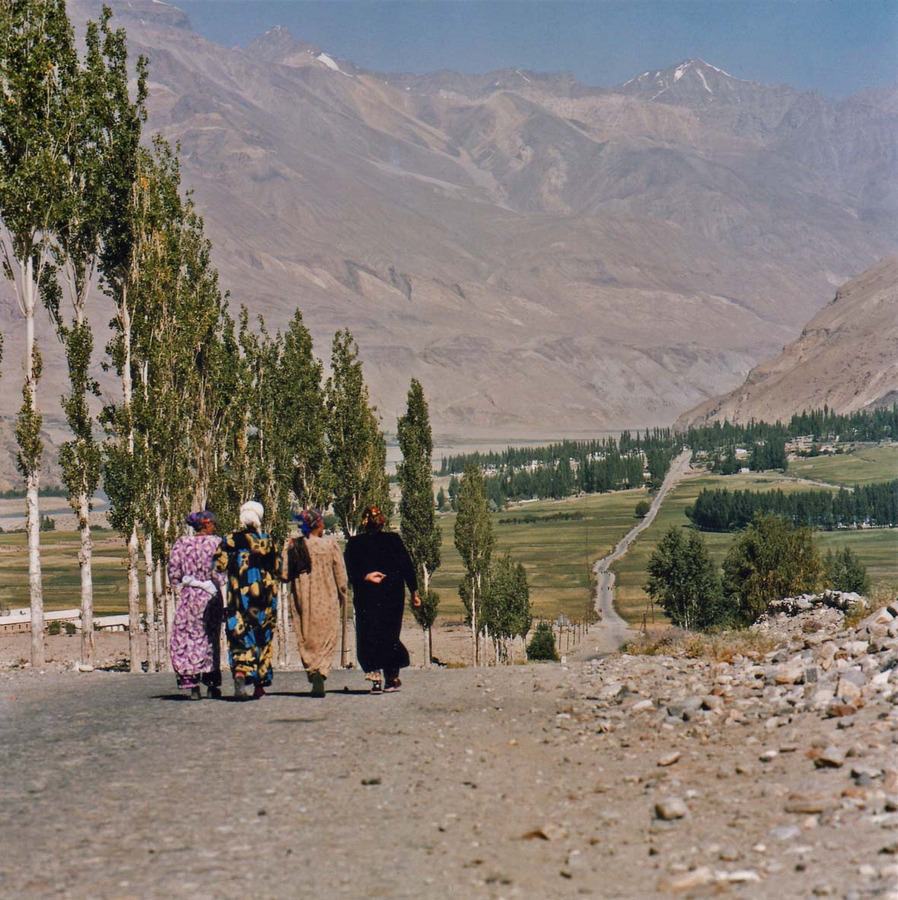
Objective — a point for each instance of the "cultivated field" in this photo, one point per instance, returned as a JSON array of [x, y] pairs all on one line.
[[877, 548], [558, 555], [863, 465]]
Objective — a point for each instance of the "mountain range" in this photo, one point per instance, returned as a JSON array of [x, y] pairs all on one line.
[[546, 257], [845, 358]]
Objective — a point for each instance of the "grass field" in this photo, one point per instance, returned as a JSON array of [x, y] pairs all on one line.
[[61, 577], [558, 556], [862, 466], [877, 548]]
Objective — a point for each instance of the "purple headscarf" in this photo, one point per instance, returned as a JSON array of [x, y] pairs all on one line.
[[308, 520], [196, 520]]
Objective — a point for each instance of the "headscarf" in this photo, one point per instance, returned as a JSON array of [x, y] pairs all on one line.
[[373, 519], [196, 520], [308, 520], [251, 514]]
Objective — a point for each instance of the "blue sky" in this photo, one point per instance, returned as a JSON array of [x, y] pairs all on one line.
[[833, 46]]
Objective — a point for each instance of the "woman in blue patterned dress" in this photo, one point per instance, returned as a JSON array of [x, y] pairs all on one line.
[[249, 558]]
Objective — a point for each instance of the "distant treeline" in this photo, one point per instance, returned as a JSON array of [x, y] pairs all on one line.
[[46, 491], [562, 478], [549, 454], [819, 425], [538, 520], [725, 510]]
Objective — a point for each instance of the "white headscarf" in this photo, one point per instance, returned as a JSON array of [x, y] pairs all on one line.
[[251, 514]]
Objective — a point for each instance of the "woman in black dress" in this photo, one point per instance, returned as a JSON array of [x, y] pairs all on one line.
[[379, 569]]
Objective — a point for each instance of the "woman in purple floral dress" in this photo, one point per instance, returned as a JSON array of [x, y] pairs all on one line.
[[195, 647]]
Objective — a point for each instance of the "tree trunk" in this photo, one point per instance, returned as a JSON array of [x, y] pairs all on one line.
[[428, 636], [133, 602], [158, 583], [167, 603], [344, 635], [85, 562], [282, 626], [152, 633], [32, 482]]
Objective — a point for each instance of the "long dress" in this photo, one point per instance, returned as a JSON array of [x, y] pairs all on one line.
[[379, 607], [250, 560], [194, 638], [319, 590]]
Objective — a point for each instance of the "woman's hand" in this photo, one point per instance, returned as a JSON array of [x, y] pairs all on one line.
[[375, 577], [416, 600]]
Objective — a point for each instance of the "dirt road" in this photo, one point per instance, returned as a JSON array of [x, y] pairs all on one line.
[[612, 630]]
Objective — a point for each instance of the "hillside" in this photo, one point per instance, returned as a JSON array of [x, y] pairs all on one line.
[[845, 358], [547, 257]]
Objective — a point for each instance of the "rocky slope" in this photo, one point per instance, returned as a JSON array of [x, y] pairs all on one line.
[[845, 358], [546, 257]]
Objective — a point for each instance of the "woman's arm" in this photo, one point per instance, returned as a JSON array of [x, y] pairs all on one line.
[[340, 576]]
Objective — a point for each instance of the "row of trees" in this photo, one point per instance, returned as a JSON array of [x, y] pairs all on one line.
[[209, 411], [869, 504], [770, 560]]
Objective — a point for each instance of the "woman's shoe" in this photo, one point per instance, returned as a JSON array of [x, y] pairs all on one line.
[[377, 686], [240, 688], [195, 694], [317, 684], [214, 693], [258, 692], [393, 685]]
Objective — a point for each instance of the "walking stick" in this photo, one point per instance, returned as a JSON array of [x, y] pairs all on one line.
[[344, 648]]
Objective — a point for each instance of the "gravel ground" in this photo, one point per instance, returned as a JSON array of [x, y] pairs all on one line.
[[530, 781]]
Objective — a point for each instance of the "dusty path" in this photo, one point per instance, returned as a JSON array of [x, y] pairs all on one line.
[[612, 630], [526, 781]]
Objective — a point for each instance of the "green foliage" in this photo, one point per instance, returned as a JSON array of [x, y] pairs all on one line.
[[770, 560], [542, 644], [416, 510], [506, 611], [28, 424], [47, 524], [642, 509], [869, 504], [302, 413], [843, 571], [474, 539], [684, 581], [769, 454], [356, 447]]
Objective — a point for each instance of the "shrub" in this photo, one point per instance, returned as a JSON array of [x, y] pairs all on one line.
[[542, 644], [54, 628], [845, 572], [684, 581], [642, 509], [770, 560]]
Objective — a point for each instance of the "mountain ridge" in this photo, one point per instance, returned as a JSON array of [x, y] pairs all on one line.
[[545, 257]]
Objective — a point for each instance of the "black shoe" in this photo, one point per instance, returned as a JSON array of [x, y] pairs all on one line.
[[317, 684], [214, 693], [195, 694]]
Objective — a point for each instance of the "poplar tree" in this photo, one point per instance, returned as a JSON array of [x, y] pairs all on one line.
[[416, 507], [302, 414], [474, 541], [77, 235], [357, 449], [122, 227], [506, 611], [38, 65]]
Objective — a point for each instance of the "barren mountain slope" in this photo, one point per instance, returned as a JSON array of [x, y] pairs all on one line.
[[546, 257], [846, 357]]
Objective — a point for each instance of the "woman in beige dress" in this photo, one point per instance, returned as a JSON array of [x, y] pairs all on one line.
[[313, 564]]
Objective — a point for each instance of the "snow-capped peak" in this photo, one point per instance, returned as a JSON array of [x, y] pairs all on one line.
[[330, 62]]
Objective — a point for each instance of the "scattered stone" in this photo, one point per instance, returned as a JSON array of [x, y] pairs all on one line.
[[670, 808], [669, 759], [808, 804], [830, 758], [688, 881]]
